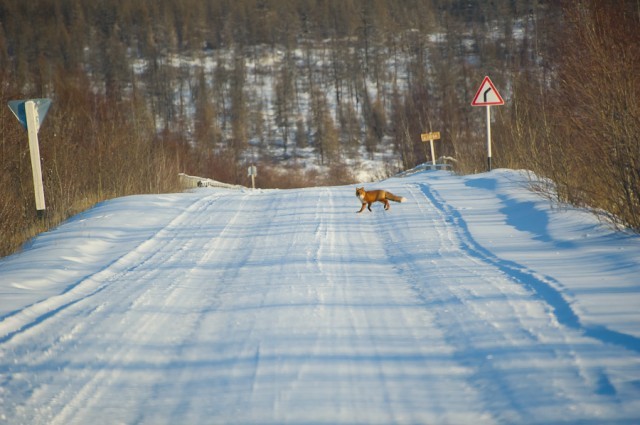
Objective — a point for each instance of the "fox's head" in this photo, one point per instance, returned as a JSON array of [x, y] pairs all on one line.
[[360, 192]]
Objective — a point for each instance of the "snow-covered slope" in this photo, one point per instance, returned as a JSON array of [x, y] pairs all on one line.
[[473, 302]]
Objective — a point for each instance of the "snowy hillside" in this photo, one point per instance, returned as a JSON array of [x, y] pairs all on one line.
[[473, 302]]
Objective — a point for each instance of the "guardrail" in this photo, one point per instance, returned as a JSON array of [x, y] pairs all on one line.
[[429, 166], [193, 181]]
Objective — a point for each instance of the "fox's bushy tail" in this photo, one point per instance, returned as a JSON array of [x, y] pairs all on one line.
[[394, 198]]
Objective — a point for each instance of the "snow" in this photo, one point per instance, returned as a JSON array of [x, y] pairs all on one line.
[[473, 302]]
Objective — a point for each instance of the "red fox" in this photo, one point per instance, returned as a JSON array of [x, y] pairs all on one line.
[[369, 197]]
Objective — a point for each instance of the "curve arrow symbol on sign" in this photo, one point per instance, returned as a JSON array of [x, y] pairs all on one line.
[[486, 92]]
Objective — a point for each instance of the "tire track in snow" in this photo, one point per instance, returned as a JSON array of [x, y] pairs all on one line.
[[230, 350], [543, 286], [538, 343], [219, 262], [492, 324], [121, 288], [82, 307], [434, 375], [309, 242], [422, 275], [30, 316], [174, 311], [365, 328], [471, 304]]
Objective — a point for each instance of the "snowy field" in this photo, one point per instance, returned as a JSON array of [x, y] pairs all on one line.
[[475, 302]]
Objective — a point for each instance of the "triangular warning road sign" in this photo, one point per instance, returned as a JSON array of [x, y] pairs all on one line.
[[42, 107], [487, 95]]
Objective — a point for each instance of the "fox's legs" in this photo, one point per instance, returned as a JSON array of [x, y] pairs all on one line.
[[368, 205]]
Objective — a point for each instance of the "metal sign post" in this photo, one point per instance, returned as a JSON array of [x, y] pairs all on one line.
[[434, 135], [487, 95], [31, 113], [488, 137]]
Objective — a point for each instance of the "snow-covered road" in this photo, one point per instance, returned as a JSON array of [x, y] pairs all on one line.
[[473, 302]]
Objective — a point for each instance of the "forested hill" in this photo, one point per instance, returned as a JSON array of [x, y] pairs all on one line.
[[345, 78], [145, 89]]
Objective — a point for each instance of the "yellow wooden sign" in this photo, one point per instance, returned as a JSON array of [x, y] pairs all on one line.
[[434, 135]]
